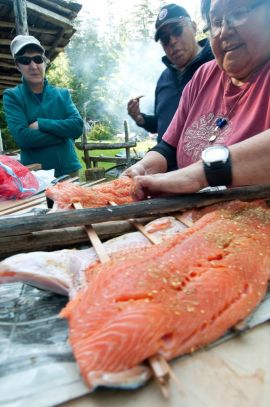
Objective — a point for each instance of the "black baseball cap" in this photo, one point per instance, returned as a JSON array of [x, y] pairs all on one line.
[[169, 14]]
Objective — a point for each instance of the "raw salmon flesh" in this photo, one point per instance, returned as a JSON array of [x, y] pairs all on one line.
[[172, 298]]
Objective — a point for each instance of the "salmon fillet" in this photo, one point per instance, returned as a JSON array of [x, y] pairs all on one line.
[[66, 193], [172, 298]]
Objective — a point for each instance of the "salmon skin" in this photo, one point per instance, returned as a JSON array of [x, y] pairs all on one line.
[[172, 298], [64, 194]]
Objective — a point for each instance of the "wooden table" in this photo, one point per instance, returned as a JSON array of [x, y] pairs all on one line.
[[233, 374]]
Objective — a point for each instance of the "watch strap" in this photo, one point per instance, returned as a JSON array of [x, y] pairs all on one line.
[[218, 174]]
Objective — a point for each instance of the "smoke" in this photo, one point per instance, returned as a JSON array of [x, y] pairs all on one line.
[[138, 69], [132, 72]]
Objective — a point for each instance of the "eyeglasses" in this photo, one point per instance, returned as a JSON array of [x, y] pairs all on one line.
[[234, 19], [24, 60], [174, 31]]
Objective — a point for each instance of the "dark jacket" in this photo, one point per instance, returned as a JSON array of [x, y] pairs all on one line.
[[59, 125], [169, 90]]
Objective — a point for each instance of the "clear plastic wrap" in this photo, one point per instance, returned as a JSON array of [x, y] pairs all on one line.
[[16, 181]]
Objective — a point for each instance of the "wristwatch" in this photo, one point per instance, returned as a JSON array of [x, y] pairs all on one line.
[[217, 166]]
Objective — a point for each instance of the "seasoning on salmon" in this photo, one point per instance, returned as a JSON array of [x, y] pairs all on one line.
[[64, 194], [172, 298]]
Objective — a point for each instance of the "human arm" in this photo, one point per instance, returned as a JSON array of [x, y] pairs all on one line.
[[250, 166], [24, 136], [152, 163], [71, 126]]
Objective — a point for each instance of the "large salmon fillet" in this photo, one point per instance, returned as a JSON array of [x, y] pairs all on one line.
[[64, 194], [172, 298]]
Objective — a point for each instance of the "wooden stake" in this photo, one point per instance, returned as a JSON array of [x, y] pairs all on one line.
[[94, 239], [183, 219]]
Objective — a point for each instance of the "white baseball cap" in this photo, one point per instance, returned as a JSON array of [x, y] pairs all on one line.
[[20, 41]]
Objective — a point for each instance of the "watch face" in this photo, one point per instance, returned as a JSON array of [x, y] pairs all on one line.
[[215, 154]]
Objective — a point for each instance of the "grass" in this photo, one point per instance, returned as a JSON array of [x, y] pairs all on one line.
[[142, 146]]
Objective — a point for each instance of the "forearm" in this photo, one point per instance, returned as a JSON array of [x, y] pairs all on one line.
[[168, 152], [64, 128], [31, 138], [152, 163], [250, 166], [251, 160], [26, 135]]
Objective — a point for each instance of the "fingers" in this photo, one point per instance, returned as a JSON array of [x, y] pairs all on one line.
[[134, 170], [156, 185], [133, 105], [142, 187], [133, 108]]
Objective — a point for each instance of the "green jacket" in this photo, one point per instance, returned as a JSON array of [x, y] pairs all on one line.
[[59, 125]]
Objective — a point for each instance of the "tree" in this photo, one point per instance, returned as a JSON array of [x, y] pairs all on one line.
[[59, 72]]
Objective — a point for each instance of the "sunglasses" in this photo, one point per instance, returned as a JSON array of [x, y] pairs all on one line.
[[175, 31], [24, 60]]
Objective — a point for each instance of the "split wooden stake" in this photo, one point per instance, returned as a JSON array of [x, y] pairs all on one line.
[[184, 220], [94, 239]]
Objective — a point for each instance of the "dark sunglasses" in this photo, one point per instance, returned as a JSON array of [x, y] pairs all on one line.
[[175, 31], [24, 60]]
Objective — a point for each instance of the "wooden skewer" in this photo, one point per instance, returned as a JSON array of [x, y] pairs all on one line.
[[139, 227], [183, 219], [94, 239]]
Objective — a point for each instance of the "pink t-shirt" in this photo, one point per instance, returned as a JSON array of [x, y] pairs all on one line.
[[211, 95]]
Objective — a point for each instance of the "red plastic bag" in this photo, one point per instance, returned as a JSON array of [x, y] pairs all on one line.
[[16, 181]]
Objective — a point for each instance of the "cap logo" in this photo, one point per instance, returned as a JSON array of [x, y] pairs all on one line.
[[163, 14]]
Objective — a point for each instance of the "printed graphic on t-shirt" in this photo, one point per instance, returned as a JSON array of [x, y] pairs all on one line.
[[197, 137]]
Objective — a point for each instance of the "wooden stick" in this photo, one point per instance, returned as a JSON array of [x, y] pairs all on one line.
[[137, 225], [162, 373], [138, 97], [152, 207], [182, 219], [94, 239]]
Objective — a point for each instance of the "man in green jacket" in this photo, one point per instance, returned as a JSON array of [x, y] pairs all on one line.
[[42, 118]]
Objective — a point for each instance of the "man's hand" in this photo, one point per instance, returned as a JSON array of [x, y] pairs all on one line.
[[133, 108], [136, 169], [33, 125], [187, 180]]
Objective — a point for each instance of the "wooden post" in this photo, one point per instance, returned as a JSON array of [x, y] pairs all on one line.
[[20, 13], [86, 159], [126, 141]]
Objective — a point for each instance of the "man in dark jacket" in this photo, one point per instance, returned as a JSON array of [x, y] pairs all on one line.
[[176, 33]]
